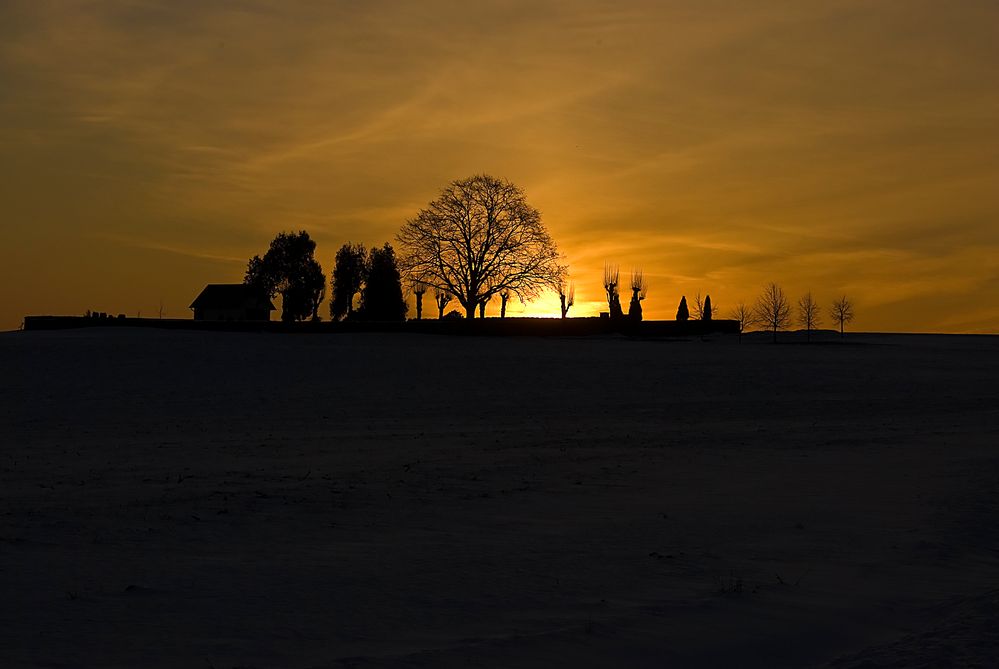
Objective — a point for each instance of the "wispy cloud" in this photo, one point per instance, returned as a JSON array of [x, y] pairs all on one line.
[[842, 146]]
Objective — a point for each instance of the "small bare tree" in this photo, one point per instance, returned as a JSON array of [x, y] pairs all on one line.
[[442, 298], [612, 282], [745, 317], [772, 309], [566, 297], [809, 314], [639, 289], [842, 312], [697, 313]]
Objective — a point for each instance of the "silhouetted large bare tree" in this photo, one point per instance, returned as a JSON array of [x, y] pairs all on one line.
[[772, 309], [478, 239], [842, 312]]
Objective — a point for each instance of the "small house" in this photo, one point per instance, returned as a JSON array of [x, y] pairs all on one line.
[[231, 302]]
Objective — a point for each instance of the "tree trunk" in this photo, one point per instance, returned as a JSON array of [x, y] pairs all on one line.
[[503, 299], [419, 306], [470, 309], [482, 309]]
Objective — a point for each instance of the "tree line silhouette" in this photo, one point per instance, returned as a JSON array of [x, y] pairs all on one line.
[[477, 240]]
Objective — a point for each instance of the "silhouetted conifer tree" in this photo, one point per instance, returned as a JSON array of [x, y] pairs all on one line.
[[682, 313], [706, 310], [381, 297]]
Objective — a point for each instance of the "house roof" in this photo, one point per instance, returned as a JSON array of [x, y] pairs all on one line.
[[231, 296]]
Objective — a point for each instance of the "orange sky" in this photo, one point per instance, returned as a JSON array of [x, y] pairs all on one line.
[[842, 146]]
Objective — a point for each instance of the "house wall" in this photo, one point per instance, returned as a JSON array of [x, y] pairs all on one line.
[[231, 315]]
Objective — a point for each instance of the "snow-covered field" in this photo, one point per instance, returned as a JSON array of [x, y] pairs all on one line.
[[182, 499]]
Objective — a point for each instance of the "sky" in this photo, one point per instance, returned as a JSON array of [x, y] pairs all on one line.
[[842, 147]]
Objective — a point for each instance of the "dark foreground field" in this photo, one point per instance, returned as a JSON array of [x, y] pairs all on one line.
[[178, 499]]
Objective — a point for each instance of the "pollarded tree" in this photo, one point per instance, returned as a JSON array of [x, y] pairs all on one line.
[[479, 238], [842, 312], [442, 298], [349, 270], [504, 297], [772, 309], [381, 298], [612, 285], [639, 289], [290, 269], [566, 297], [809, 314], [419, 289]]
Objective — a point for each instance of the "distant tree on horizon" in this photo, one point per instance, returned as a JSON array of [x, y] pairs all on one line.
[[289, 269], [772, 309], [841, 312], [745, 317], [809, 314], [349, 269], [706, 309], [639, 290], [682, 313], [381, 297], [477, 239]]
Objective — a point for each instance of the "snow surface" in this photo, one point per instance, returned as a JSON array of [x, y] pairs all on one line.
[[185, 499]]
